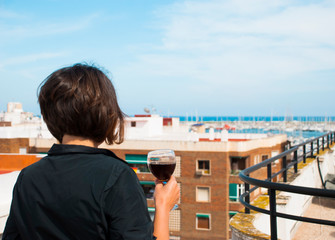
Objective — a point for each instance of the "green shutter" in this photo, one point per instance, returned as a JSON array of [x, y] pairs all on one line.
[[151, 209], [136, 159], [202, 215], [233, 190], [232, 213], [147, 183]]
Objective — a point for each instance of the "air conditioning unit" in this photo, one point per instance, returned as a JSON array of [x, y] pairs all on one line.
[[199, 172]]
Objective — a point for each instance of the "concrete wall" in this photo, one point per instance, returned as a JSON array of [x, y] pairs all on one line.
[[145, 127], [31, 130], [7, 182], [244, 146]]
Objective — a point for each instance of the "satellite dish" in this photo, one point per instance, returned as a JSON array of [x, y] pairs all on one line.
[[147, 110]]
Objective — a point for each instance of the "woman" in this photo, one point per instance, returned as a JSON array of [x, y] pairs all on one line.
[[80, 191]]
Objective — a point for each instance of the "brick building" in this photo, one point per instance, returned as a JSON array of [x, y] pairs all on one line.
[[207, 171], [14, 145], [208, 176]]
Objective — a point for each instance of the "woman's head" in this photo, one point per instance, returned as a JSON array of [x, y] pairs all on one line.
[[80, 100]]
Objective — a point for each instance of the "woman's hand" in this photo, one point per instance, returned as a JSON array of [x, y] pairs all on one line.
[[166, 196]]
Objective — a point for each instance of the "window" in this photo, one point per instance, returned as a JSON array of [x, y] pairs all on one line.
[[235, 191], [256, 159], [264, 157], [138, 163], [237, 164], [148, 188], [151, 213], [273, 154], [204, 166], [133, 124], [23, 150], [203, 194], [203, 221]]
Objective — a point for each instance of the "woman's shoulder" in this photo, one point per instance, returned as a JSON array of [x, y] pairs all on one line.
[[120, 173]]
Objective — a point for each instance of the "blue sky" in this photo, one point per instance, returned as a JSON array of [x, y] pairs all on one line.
[[210, 57]]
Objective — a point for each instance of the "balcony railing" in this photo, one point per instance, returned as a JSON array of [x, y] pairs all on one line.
[[308, 149]]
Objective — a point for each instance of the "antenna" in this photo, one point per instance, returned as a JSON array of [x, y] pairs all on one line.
[[150, 109]]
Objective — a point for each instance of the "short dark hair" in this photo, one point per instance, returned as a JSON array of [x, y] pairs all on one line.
[[80, 100]]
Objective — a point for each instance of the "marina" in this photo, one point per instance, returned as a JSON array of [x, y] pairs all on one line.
[[297, 129]]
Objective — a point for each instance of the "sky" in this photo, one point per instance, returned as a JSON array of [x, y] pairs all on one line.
[[209, 57]]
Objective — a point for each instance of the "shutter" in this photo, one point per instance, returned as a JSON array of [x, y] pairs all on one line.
[[203, 194], [147, 183], [136, 159], [203, 221], [233, 191]]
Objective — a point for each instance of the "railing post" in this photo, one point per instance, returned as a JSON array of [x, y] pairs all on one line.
[[247, 197], [330, 138], [284, 167], [327, 140], [304, 153], [317, 146], [269, 174], [296, 161], [312, 150], [273, 218], [323, 143]]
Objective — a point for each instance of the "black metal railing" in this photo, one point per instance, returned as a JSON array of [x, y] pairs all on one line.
[[290, 159]]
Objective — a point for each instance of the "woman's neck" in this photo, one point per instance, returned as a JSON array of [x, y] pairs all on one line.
[[75, 140]]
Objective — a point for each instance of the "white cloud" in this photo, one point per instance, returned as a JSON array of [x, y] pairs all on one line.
[[242, 54], [23, 59], [216, 41], [30, 28], [207, 20], [7, 14]]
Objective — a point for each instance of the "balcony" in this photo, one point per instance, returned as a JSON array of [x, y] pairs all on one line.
[[298, 204]]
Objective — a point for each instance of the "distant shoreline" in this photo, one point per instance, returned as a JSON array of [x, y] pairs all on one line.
[[255, 118]]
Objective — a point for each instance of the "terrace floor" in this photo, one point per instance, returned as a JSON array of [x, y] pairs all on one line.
[[323, 208]]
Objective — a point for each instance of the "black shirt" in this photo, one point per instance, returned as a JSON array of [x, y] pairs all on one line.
[[78, 192]]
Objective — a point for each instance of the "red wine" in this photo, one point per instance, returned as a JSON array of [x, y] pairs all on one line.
[[162, 171]]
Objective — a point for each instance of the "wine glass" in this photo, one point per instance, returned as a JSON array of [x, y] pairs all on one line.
[[162, 163]]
